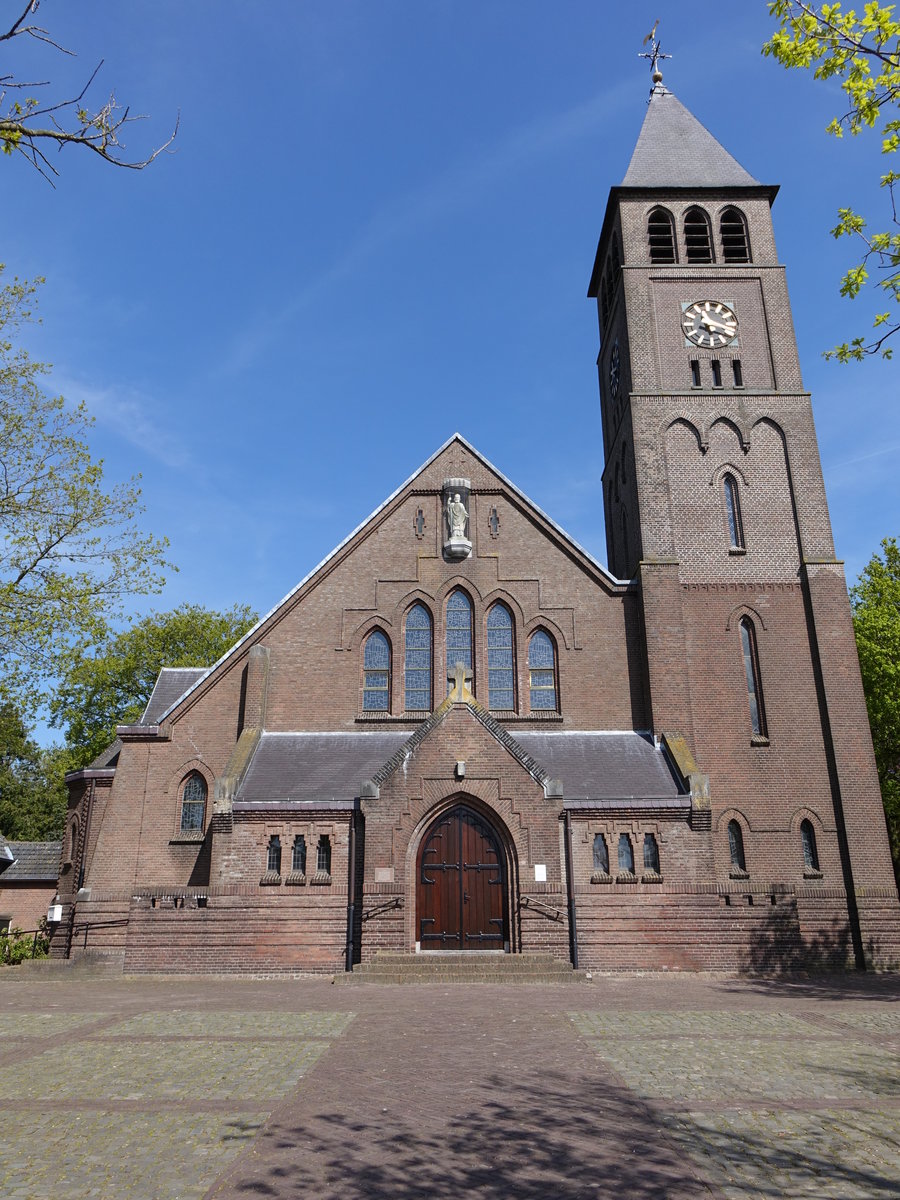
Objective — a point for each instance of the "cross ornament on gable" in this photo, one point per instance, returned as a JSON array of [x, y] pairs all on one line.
[[461, 676]]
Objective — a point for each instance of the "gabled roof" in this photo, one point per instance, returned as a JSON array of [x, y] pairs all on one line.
[[564, 537], [674, 150], [314, 767], [600, 766], [36, 862]]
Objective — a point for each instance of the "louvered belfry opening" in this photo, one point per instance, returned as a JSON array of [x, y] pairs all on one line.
[[735, 241], [661, 236], [697, 236]]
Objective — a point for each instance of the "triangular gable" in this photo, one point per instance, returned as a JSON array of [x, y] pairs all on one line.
[[568, 541]]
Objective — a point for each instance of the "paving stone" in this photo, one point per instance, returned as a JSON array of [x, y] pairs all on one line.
[[689, 1024], [233, 1024], [42, 1024]]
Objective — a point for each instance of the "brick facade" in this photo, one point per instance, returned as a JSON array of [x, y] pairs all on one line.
[[659, 647]]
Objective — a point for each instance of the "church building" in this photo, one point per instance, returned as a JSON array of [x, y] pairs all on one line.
[[462, 733]]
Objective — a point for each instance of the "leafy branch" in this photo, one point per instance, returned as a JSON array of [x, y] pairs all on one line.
[[32, 128], [863, 51]]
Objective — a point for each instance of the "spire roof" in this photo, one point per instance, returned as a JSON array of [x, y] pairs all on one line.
[[674, 150]]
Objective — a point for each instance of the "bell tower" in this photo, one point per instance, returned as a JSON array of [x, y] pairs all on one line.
[[714, 502]]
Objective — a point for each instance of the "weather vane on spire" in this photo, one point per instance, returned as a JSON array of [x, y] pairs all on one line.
[[654, 55]]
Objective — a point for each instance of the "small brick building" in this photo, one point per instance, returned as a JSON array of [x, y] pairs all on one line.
[[461, 732]]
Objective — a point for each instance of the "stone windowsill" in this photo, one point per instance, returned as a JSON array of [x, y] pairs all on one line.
[[651, 877], [601, 877], [270, 879], [812, 873], [321, 879], [759, 739], [626, 877], [187, 839], [737, 550], [295, 879], [737, 873]]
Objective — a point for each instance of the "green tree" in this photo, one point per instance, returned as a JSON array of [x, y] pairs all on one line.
[[71, 552], [876, 620], [112, 686], [32, 791], [862, 50], [27, 124]]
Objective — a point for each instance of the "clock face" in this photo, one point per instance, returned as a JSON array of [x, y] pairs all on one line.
[[614, 370], [709, 323]]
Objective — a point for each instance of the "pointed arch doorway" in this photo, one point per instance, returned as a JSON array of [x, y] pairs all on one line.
[[461, 892]]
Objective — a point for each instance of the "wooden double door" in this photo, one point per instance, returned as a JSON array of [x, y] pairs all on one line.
[[461, 893]]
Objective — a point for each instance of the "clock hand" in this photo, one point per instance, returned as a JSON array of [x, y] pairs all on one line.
[[709, 323]]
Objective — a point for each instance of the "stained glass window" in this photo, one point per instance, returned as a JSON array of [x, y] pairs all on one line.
[[697, 236], [542, 671], [810, 851], [377, 673], [459, 635], [626, 854], [733, 512], [298, 854], [736, 846], [501, 667], [323, 854], [193, 803], [273, 854], [418, 658], [651, 853], [601, 854], [751, 670]]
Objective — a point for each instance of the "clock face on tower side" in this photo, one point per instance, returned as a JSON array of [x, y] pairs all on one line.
[[709, 323], [614, 370]]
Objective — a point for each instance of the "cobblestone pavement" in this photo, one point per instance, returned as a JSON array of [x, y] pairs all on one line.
[[646, 1086]]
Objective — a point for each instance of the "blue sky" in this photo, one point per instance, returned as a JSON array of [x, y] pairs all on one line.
[[377, 228]]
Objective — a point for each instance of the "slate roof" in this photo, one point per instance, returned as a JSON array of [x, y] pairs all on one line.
[[170, 686], [316, 766], [674, 150], [604, 766], [331, 767], [36, 862]]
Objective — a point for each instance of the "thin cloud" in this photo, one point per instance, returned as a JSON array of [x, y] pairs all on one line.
[[127, 413], [459, 187]]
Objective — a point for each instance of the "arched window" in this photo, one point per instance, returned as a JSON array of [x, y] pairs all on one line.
[[377, 673], [697, 236], [542, 672], [501, 661], [733, 511], [754, 684], [601, 854], [735, 240], [273, 854], [651, 853], [193, 803], [736, 846], [626, 854], [323, 854], [661, 236], [298, 855], [73, 840], [810, 850], [459, 635], [417, 672]]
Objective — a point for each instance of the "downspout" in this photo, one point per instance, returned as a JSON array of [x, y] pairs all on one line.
[[570, 891], [351, 895]]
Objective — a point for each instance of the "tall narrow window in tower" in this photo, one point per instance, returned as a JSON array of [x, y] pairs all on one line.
[[193, 803], [733, 511], [716, 368], [735, 240], [754, 684], [501, 660], [377, 673], [651, 853], [810, 850], [542, 672], [697, 236], [736, 846], [273, 854], [417, 664], [661, 236], [459, 635]]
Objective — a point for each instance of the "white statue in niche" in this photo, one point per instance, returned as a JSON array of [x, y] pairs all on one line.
[[457, 517]]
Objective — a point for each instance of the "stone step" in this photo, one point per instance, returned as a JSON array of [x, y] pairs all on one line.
[[391, 967]]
